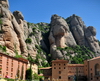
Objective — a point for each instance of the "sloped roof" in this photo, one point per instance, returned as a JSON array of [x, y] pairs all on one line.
[[18, 59], [59, 60], [45, 68], [75, 65], [94, 58]]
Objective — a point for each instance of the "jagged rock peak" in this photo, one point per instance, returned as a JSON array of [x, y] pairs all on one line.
[[84, 36], [71, 32], [18, 15], [60, 36], [55, 16], [4, 3], [92, 30]]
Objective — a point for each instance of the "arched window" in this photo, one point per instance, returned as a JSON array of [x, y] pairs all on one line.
[[97, 69]]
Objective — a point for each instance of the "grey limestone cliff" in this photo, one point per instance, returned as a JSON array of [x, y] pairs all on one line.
[[70, 32], [42, 39]]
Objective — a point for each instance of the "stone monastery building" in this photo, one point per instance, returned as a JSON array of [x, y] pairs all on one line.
[[11, 67], [61, 70]]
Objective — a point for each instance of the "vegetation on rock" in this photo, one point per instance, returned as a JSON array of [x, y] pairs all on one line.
[[3, 48], [28, 40], [42, 39], [40, 57], [29, 74], [1, 22], [81, 53]]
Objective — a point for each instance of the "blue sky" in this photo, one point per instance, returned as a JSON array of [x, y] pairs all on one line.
[[36, 11]]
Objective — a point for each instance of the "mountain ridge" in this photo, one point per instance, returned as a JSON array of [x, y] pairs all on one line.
[[46, 41]]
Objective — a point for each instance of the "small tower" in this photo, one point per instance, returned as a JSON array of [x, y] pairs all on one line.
[[4, 3], [60, 70]]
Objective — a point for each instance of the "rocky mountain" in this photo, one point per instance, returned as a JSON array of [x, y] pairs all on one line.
[[71, 32], [42, 40]]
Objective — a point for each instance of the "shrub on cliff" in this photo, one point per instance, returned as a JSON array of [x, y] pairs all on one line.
[[28, 40]]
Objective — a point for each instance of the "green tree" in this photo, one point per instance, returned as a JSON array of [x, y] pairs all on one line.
[[28, 40], [1, 22], [29, 71], [30, 59], [36, 76], [29, 74], [18, 73], [22, 72]]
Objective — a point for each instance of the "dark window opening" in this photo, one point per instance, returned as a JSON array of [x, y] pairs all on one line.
[[59, 77], [59, 72]]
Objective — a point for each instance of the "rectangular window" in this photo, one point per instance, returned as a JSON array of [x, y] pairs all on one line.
[[6, 68], [54, 64], [7, 63], [0, 61], [11, 74], [6, 73], [54, 67], [59, 72], [0, 57], [59, 77], [11, 64], [0, 66], [11, 69], [91, 74], [12, 60], [0, 72]]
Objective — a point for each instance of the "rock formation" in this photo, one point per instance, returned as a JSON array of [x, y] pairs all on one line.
[[4, 3], [83, 35], [42, 39], [70, 33], [60, 36], [19, 36]]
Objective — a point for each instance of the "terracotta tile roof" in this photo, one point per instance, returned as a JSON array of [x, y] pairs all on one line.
[[18, 59], [59, 60], [71, 65], [94, 58], [45, 68], [22, 59]]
